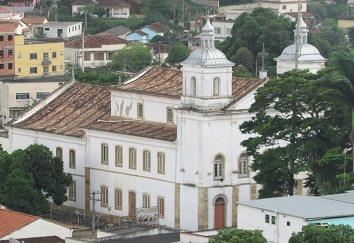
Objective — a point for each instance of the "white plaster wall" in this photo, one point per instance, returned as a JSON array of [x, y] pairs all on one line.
[[125, 104], [4, 142], [254, 218], [53, 30], [223, 26], [189, 208], [40, 228], [283, 67]]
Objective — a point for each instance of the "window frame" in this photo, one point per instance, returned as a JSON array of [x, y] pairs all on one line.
[[118, 155], [41, 95], [147, 160], [33, 70], [54, 54], [193, 86], [22, 96], [59, 152], [104, 196], [132, 158], [54, 68], [33, 56], [243, 165], [104, 153], [169, 115], [161, 163], [146, 200], [140, 110], [161, 206], [216, 87], [118, 199], [72, 191], [72, 158], [219, 166]]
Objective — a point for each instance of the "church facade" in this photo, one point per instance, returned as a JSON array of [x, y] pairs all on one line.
[[166, 138]]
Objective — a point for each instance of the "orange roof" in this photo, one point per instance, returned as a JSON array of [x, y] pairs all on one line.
[[96, 41], [33, 20], [12, 221], [8, 27], [5, 10]]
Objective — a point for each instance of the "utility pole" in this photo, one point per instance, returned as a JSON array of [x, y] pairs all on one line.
[[297, 37], [94, 200]]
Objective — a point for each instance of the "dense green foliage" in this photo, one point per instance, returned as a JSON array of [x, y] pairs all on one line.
[[300, 116], [178, 53], [251, 31], [105, 78], [133, 58], [323, 9], [332, 234], [29, 176], [233, 235], [235, 2]]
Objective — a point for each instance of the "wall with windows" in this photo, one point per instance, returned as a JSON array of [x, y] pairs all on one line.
[[38, 59], [222, 29], [284, 6], [7, 65], [61, 29]]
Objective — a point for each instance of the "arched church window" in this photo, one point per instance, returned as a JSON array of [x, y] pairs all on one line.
[[219, 167], [216, 87], [193, 87], [243, 165]]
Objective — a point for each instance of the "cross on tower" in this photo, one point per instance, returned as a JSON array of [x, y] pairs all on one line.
[[263, 54]]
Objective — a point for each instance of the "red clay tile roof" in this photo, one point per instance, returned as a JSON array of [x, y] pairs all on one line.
[[158, 27], [140, 32], [44, 239], [139, 128], [33, 20], [77, 106], [156, 81], [8, 27], [12, 221], [5, 10], [96, 41]]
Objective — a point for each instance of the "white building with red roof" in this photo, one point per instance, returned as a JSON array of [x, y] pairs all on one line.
[[166, 139]]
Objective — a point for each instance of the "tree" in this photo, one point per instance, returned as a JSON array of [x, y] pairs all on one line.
[[233, 235], [332, 234], [133, 57], [298, 116], [351, 36], [244, 57], [30, 176], [100, 77], [178, 53]]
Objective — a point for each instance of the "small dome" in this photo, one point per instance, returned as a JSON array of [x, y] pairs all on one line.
[[307, 53], [207, 27], [207, 57]]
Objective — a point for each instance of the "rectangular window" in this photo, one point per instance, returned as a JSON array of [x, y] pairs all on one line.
[[169, 115], [46, 70], [147, 160], [33, 56], [132, 158], [118, 199], [267, 218], [104, 154], [109, 56], [104, 196], [41, 95], [1, 53], [243, 165], [46, 29], [59, 153], [1, 38], [54, 68], [72, 191], [217, 30], [45, 55], [140, 111], [54, 54], [2, 66], [161, 163], [19, 70], [161, 206], [72, 158], [87, 56], [98, 56], [33, 69], [219, 167], [10, 53], [119, 156], [22, 96], [273, 219], [146, 200], [9, 38], [284, 7], [9, 66]]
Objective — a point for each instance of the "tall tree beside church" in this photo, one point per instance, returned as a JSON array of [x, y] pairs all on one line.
[[299, 116], [29, 176], [252, 30]]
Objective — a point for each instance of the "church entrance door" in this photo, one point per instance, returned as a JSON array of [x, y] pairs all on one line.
[[219, 213]]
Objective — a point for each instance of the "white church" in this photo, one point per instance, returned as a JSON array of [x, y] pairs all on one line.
[[166, 138]]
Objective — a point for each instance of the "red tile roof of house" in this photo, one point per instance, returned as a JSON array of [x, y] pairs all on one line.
[[12, 221], [158, 27], [33, 20], [5, 10], [8, 27], [96, 41]]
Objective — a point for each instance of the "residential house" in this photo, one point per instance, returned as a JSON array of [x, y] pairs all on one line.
[[7, 43], [97, 49], [5, 13], [146, 33], [166, 139], [20, 225], [61, 29], [279, 217], [119, 31], [222, 29], [160, 51], [21, 6], [113, 8]]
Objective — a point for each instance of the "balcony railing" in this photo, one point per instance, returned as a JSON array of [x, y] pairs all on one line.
[[46, 61]]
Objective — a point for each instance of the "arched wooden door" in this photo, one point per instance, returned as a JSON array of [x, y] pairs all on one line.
[[219, 213]]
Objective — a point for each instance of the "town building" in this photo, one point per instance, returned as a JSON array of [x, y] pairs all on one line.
[[7, 43], [97, 49], [146, 33], [120, 31], [113, 8], [61, 29], [279, 217]]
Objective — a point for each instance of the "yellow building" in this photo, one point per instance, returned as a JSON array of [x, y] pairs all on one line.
[[35, 59]]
